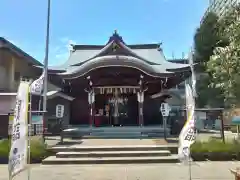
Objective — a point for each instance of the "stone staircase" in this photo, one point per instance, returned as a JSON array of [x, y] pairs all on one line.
[[113, 154], [115, 132]]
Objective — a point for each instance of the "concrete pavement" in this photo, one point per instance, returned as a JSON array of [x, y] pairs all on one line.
[[200, 171]]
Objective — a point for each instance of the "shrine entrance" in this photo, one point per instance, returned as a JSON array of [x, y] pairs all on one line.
[[116, 106]]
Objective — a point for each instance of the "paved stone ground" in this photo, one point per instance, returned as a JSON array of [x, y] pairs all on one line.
[[200, 171]]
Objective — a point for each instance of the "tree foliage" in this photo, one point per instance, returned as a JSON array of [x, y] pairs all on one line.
[[224, 64], [206, 38]]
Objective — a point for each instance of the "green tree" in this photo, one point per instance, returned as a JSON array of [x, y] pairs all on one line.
[[224, 64], [206, 38]]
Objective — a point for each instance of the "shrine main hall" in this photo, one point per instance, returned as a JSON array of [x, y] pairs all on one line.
[[113, 84]]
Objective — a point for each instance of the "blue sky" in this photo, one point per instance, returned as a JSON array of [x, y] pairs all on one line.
[[172, 22]]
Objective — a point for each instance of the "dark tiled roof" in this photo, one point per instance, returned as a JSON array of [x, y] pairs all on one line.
[[6, 44], [132, 46], [87, 47], [82, 53], [179, 61], [146, 57]]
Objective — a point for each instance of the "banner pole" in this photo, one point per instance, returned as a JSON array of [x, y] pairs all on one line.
[[29, 134], [190, 166], [45, 82]]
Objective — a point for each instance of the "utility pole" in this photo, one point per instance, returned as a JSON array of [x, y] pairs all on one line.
[[46, 67]]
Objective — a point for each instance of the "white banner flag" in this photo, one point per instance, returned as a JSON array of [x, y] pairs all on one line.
[[36, 87], [194, 81], [187, 136], [19, 144]]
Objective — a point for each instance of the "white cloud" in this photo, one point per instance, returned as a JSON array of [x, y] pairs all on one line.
[[71, 42], [62, 56], [64, 39], [56, 49], [58, 53], [61, 52]]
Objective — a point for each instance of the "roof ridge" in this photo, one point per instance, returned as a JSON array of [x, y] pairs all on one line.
[[132, 46], [17, 50]]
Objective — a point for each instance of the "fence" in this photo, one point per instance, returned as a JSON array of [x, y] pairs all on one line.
[[36, 129]]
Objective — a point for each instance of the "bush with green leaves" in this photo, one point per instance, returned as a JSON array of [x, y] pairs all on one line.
[[4, 148], [216, 150], [38, 149], [216, 146], [234, 129]]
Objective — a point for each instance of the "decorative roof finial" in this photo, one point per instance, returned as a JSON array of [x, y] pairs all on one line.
[[71, 48], [115, 37]]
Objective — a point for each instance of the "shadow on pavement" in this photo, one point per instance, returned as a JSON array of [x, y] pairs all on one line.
[[69, 143], [172, 140]]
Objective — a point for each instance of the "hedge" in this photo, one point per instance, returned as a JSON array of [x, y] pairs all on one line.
[[215, 150], [38, 150], [233, 129]]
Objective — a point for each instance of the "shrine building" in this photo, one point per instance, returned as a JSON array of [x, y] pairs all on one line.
[[114, 84]]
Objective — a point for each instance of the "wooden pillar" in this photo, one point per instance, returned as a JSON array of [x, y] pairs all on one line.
[[140, 107], [140, 98], [91, 101]]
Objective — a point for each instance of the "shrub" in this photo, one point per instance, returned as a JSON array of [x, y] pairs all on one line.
[[38, 149], [215, 145], [218, 146], [216, 150], [234, 129], [4, 148], [199, 147]]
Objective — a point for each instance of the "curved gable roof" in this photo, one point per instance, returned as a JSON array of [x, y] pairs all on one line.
[[149, 54], [108, 48], [83, 53], [113, 61]]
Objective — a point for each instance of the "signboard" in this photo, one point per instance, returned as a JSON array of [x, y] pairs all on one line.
[[165, 109], [59, 111], [36, 119]]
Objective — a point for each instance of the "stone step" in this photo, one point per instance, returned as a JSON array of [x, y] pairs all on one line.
[[127, 134], [116, 134], [53, 160], [77, 148], [117, 137], [113, 154], [122, 136]]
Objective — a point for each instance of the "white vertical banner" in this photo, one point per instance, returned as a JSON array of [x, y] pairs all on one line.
[[187, 136], [194, 80], [18, 153], [36, 87]]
